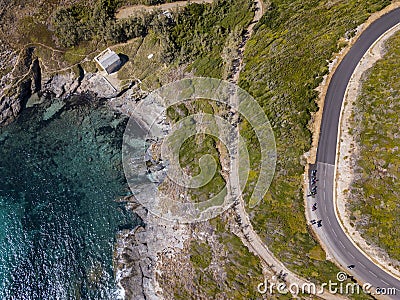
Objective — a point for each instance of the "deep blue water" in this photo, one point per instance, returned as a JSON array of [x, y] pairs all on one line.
[[58, 218]]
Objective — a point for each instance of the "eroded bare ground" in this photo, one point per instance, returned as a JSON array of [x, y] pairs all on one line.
[[126, 12], [237, 65], [166, 248], [348, 154]]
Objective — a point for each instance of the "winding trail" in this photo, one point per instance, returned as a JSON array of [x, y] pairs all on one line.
[[238, 62], [249, 237]]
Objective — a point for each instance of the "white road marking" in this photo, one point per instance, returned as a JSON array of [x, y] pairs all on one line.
[[362, 264], [334, 232], [340, 242], [385, 282], [372, 273], [351, 255]]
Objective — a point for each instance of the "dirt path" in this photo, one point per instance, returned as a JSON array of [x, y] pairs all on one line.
[[238, 62], [247, 233], [126, 12], [254, 243]]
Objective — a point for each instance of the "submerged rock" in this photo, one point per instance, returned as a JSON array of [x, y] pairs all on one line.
[[53, 109]]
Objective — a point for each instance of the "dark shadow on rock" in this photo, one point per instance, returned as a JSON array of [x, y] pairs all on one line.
[[81, 73], [124, 59], [25, 91], [37, 76]]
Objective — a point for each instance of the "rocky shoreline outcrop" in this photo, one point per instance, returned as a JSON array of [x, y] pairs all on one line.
[[137, 251], [156, 251], [21, 80], [19, 84]]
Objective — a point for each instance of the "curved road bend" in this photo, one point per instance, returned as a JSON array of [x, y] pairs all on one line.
[[331, 233]]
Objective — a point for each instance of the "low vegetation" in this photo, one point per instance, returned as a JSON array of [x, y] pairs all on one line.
[[79, 23], [145, 2], [282, 69], [223, 269], [376, 188], [201, 254], [285, 61], [201, 31]]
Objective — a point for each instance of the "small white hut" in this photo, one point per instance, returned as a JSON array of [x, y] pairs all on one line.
[[108, 60]]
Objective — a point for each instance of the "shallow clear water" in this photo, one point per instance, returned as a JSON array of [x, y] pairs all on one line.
[[58, 218]]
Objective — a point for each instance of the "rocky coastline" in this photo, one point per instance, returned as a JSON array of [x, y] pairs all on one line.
[[137, 251]]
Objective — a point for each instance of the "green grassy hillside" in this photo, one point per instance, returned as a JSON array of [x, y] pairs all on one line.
[[376, 189]]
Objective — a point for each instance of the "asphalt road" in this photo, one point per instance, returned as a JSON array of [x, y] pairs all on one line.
[[337, 87], [331, 233]]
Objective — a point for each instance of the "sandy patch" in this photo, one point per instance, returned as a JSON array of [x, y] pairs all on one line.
[[126, 12]]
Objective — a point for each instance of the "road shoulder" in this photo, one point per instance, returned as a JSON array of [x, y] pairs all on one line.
[[348, 152]]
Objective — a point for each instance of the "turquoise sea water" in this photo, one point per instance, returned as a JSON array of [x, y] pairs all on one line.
[[59, 177]]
